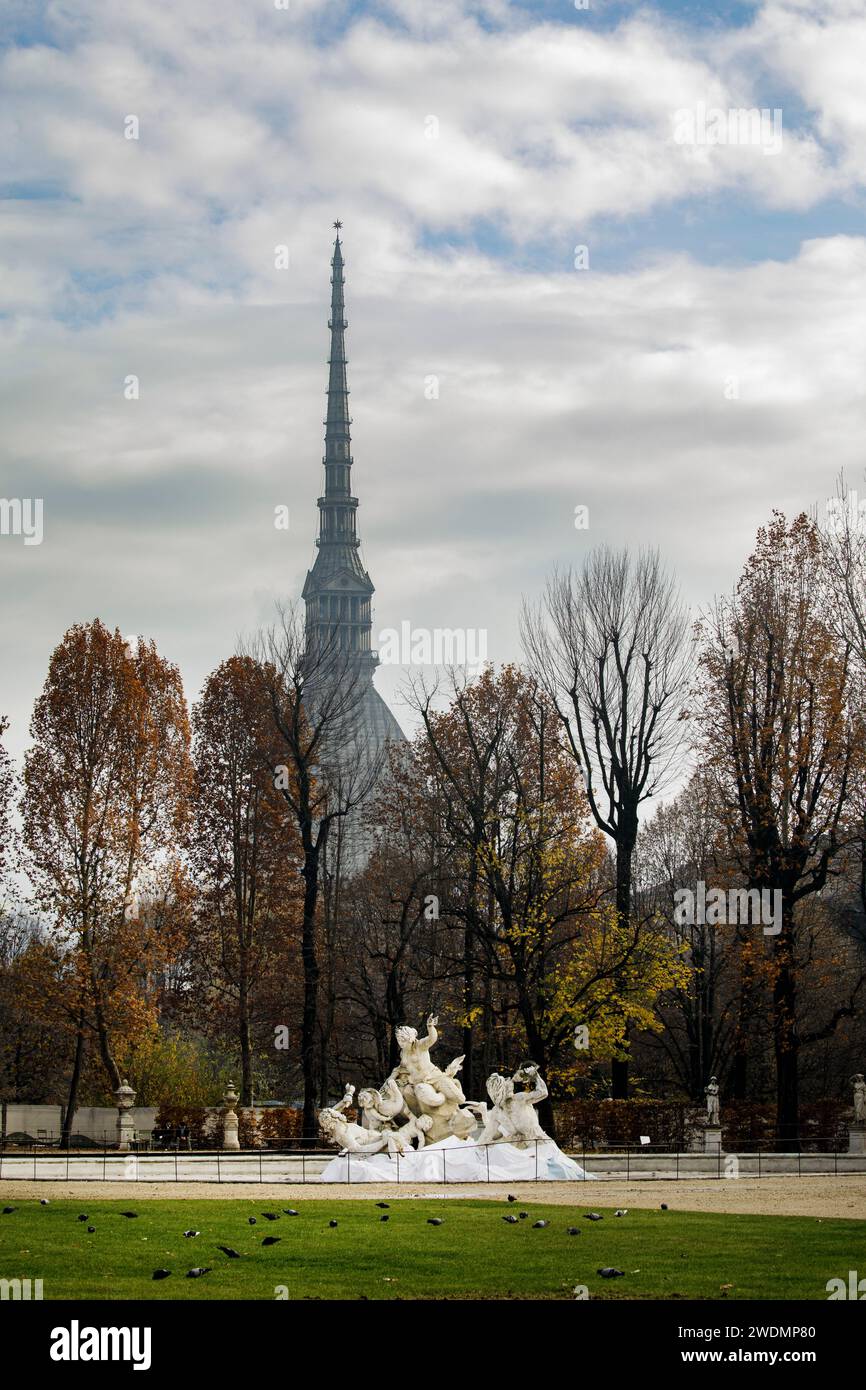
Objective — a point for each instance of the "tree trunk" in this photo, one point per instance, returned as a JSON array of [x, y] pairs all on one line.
[[246, 1099], [311, 972], [786, 1042], [74, 1081], [619, 1066]]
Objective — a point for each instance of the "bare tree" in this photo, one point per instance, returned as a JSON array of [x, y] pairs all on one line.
[[324, 768], [609, 647]]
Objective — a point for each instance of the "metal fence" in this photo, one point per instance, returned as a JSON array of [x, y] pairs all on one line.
[[304, 1163]]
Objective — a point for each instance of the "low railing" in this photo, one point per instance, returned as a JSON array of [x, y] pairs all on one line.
[[305, 1160]]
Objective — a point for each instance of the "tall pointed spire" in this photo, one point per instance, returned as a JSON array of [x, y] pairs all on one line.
[[338, 589]]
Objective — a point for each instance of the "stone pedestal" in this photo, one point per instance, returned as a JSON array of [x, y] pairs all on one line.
[[125, 1123], [712, 1139], [230, 1119], [857, 1139]]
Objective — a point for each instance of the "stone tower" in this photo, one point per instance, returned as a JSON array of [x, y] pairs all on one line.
[[338, 590]]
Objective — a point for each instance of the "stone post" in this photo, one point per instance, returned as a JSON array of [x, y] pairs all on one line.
[[230, 1119], [125, 1122]]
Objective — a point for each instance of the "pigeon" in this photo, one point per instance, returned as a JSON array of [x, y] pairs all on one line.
[[621, 1211], [290, 1211], [270, 1216], [43, 1201], [539, 1225], [664, 1206], [523, 1215], [91, 1230], [384, 1218], [227, 1250], [197, 1272], [435, 1220], [332, 1224], [592, 1216], [608, 1272], [271, 1240], [129, 1214], [84, 1218], [252, 1220], [512, 1220], [384, 1205], [160, 1273], [189, 1234], [7, 1211], [511, 1198]]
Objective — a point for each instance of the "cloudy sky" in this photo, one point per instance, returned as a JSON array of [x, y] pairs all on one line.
[[699, 362]]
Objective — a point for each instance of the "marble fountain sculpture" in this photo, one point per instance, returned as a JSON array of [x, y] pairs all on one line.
[[419, 1127]]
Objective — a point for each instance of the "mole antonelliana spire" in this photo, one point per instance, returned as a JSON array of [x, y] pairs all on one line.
[[338, 590]]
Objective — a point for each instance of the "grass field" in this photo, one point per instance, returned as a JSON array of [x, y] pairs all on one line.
[[474, 1254]]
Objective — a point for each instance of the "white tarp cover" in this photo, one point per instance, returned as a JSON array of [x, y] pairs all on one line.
[[459, 1160]]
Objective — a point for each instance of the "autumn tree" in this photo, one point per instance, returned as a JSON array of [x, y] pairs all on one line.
[[779, 714], [106, 787], [608, 645], [513, 803], [247, 857]]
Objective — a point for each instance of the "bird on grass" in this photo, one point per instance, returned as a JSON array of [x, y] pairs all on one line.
[[129, 1214], [523, 1215], [160, 1274], [270, 1216], [197, 1272], [383, 1205], [435, 1220], [332, 1224], [511, 1197], [608, 1272], [43, 1201], [271, 1240], [290, 1211], [227, 1250], [592, 1216], [512, 1220], [91, 1230], [573, 1231], [84, 1218], [621, 1211], [385, 1218], [664, 1206], [7, 1211], [539, 1225], [189, 1234], [252, 1220]]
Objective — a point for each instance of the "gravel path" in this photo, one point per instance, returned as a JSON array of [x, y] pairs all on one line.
[[777, 1196]]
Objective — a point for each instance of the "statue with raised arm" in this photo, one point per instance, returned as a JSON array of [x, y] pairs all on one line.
[[512, 1116], [426, 1089], [859, 1098]]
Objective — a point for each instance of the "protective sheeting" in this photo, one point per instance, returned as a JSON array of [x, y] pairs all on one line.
[[460, 1160]]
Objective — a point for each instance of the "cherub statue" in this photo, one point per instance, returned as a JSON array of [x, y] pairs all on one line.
[[350, 1137], [512, 1116], [415, 1064], [426, 1089], [380, 1108]]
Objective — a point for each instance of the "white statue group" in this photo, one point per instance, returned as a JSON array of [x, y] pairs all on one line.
[[422, 1108]]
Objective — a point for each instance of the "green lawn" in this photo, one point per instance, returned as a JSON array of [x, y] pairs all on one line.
[[474, 1254]]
